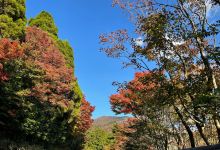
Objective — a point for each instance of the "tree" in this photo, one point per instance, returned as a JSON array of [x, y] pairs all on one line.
[[9, 55], [15, 9], [41, 100], [217, 2], [98, 139], [54, 91], [67, 50], [142, 97], [8, 51], [183, 44], [85, 121], [45, 22], [12, 18]]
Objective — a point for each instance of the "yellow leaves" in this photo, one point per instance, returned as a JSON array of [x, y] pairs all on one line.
[[23, 93], [179, 86]]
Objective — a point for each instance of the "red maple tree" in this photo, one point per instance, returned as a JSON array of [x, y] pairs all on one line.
[[130, 98], [85, 120], [9, 50], [43, 52]]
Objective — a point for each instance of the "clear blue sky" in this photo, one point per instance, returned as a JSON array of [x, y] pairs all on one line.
[[81, 22]]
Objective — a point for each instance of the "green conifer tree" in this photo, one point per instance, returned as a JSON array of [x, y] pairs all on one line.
[[45, 22], [12, 19]]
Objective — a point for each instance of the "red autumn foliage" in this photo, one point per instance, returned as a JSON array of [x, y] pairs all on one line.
[[42, 51], [57, 85], [121, 102], [123, 132], [120, 130], [130, 98], [53, 78], [9, 50], [85, 121]]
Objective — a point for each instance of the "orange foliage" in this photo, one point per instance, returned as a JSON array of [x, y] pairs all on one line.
[[9, 50], [43, 52], [136, 93], [120, 131], [85, 121]]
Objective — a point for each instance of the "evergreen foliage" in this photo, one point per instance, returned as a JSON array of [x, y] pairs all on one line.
[[45, 22], [40, 99], [98, 139], [12, 19]]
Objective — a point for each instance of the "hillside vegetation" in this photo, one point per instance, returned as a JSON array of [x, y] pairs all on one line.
[[107, 122], [40, 100], [173, 100]]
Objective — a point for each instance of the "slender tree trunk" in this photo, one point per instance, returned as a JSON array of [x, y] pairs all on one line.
[[199, 127], [189, 131], [217, 125], [177, 136]]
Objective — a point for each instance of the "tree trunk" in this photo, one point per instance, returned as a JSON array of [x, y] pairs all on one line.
[[217, 125], [199, 127], [189, 131]]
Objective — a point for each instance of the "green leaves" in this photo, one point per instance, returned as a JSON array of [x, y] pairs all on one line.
[[15, 9], [45, 122], [66, 49], [98, 139], [11, 29], [45, 22], [12, 19], [39, 95], [182, 40]]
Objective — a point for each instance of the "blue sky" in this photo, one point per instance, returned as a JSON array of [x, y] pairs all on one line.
[[81, 22]]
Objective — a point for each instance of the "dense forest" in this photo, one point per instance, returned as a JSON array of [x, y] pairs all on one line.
[[41, 102], [171, 105]]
